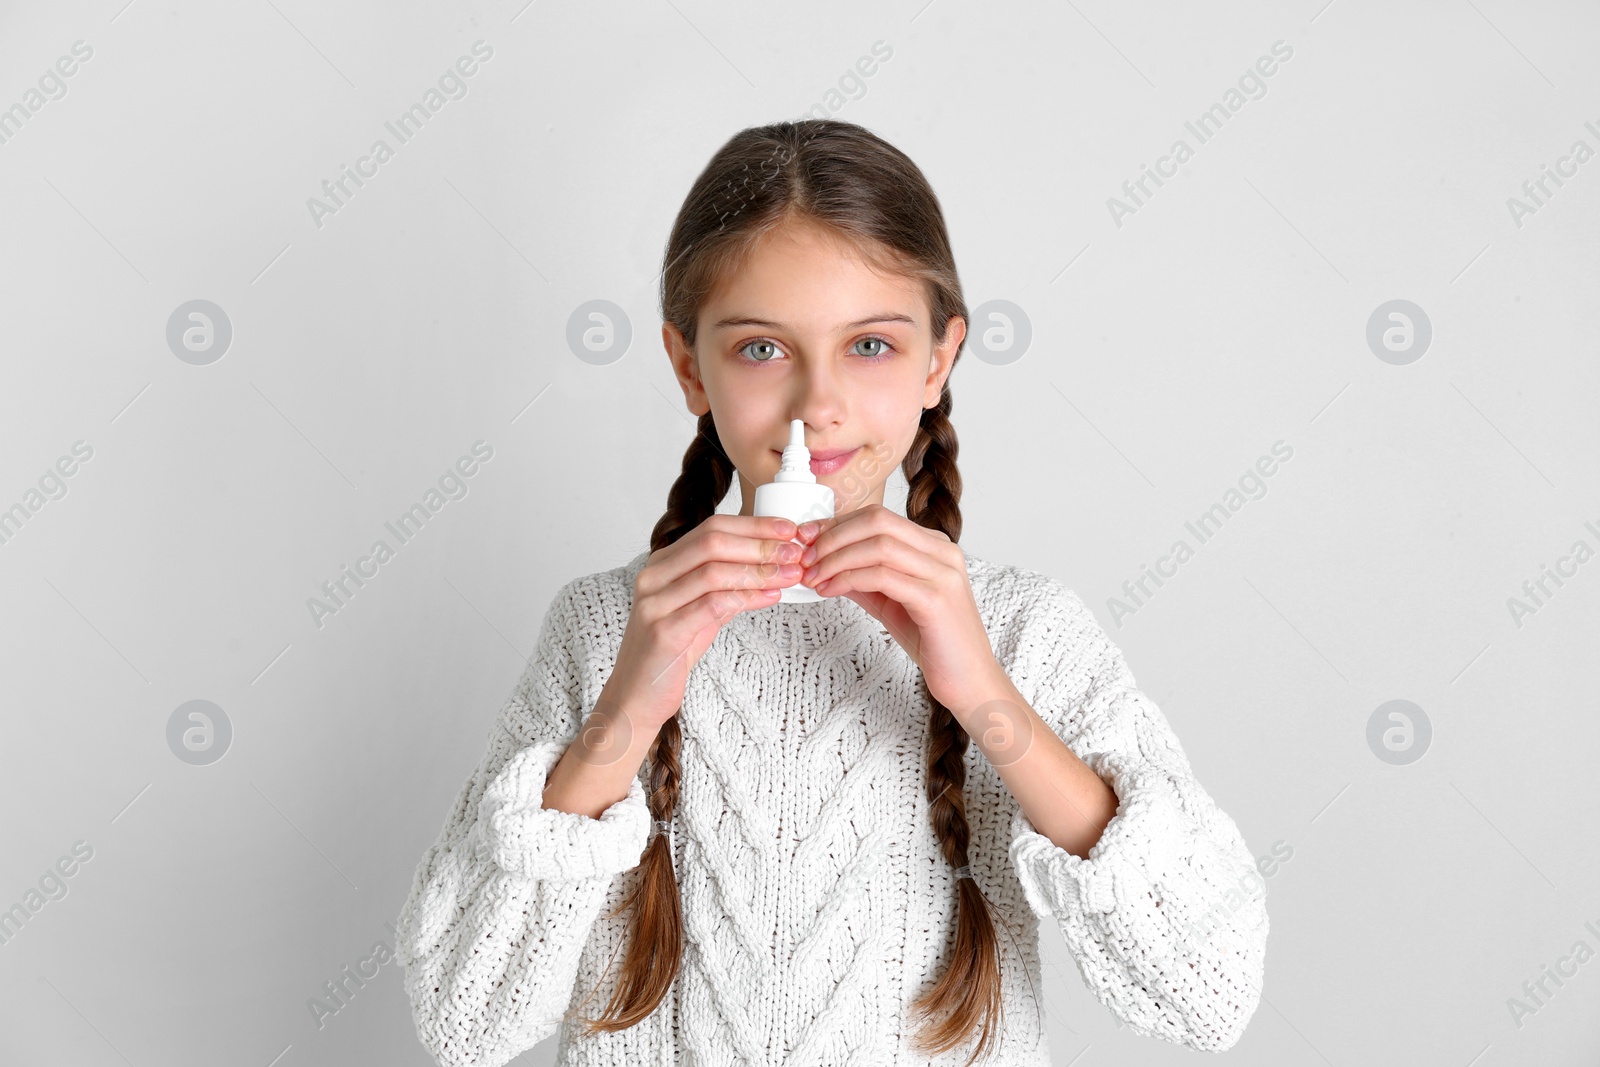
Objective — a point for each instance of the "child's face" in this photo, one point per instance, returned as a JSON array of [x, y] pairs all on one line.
[[787, 338]]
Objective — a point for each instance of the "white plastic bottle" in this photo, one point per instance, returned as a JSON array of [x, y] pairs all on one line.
[[795, 494]]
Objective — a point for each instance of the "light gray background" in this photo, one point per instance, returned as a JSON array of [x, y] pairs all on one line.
[[431, 312]]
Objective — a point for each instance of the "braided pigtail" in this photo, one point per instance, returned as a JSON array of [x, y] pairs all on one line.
[[655, 927], [969, 993]]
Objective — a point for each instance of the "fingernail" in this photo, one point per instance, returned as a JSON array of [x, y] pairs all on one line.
[[809, 555]]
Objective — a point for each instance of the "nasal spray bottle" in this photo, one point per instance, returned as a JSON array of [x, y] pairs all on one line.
[[795, 494]]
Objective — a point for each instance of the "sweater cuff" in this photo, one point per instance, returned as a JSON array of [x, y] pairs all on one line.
[[1139, 850], [523, 838]]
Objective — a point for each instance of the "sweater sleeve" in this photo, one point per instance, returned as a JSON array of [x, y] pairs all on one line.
[[1166, 919], [502, 904]]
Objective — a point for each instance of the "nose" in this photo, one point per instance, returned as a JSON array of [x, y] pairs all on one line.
[[820, 399]]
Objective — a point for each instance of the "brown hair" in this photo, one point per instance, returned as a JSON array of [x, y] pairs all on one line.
[[852, 182]]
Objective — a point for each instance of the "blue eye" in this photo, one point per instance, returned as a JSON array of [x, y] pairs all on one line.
[[769, 350], [767, 344], [875, 356]]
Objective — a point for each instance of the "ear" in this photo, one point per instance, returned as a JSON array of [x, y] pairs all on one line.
[[944, 360], [686, 369]]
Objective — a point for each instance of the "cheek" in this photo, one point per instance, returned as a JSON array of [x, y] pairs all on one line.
[[891, 417], [744, 425]]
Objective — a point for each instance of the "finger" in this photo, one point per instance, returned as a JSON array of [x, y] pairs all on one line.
[[871, 603], [811, 529], [710, 596], [719, 605], [912, 595], [871, 521], [737, 584], [908, 591], [712, 610], [749, 539], [878, 550]]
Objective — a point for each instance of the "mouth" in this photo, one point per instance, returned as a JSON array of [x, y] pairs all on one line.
[[828, 461]]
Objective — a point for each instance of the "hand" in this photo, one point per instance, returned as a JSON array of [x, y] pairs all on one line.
[[682, 596], [914, 581]]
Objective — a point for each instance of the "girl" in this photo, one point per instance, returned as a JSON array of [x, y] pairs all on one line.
[[808, 824]]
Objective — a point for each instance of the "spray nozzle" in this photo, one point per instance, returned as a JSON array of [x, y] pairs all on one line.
[[796, 456]]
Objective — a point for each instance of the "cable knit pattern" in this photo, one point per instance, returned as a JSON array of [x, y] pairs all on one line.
[[816, 903]]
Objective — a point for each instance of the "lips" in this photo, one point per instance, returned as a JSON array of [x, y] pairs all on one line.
[[828, 460], [831, 460]]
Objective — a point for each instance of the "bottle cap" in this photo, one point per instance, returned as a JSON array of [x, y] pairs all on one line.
[[796, 456]]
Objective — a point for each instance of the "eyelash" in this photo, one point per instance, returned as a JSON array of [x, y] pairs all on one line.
[[888, 346]]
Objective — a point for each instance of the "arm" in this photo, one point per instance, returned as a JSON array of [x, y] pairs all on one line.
[[1166, 918], [502, 904]]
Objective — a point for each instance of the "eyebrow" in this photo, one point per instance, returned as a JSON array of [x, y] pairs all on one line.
[[722, 324]]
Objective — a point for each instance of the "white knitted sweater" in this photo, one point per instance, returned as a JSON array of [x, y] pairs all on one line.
[[816, 904]]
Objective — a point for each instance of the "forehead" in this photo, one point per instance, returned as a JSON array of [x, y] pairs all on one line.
[[812, 278]]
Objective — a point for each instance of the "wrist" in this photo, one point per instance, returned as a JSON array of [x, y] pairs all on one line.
[[613, 733], [979, 690], [1002, 724], [599, 764]]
